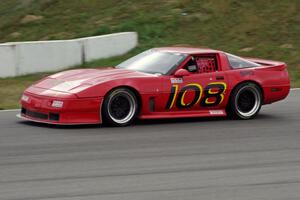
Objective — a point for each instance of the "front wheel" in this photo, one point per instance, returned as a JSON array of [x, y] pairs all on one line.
[[245, 101], [120, 107]]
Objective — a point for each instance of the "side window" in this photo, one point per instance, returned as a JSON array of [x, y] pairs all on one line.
[[191, 66], [237, 62], [206, 64]]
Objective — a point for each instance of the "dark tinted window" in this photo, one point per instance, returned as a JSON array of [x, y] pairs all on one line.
[[238, 62]]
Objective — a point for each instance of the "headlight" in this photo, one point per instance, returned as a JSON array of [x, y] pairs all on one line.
[[57, 104], [25, 98]]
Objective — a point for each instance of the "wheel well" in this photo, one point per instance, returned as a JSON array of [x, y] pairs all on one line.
[[247, 81]]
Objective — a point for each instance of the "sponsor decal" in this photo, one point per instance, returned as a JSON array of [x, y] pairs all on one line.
[[176, 80], [216, 112], [245, 73]]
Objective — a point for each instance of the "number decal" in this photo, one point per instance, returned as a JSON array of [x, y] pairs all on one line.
[[198, 93], [213, 95], [172, 97]]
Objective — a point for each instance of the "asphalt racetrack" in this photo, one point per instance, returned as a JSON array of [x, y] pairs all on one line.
[[207, 159]]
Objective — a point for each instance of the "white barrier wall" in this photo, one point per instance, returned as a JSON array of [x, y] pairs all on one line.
[[21, 58], [7, 60], [108, 45], [47, 56]]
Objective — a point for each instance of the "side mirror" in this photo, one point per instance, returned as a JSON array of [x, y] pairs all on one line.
[[181, 73]]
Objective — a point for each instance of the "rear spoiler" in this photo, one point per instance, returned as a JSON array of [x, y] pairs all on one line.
[[269, 64]]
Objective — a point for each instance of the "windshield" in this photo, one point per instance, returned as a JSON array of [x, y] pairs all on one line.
[[153, 61]]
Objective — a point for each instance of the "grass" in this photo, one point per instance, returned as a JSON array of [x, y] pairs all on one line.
[[267, 29], [12, 88]]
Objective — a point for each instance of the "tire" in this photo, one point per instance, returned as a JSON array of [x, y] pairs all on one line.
[[245, 101], [120, 107]]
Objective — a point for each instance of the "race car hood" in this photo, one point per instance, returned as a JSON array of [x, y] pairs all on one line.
[[74, 81]]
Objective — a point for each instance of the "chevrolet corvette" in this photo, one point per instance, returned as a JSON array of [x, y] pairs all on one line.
[[169, 82]]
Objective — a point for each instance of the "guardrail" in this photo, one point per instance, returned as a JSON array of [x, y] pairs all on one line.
[[20, 58]]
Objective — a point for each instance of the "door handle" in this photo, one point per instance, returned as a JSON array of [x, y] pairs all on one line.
[[220, 77]]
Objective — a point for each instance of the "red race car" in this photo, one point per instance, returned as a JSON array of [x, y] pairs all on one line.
[[172, 82]]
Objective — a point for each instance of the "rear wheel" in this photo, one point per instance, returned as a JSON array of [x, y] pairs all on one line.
[[120, 107], [245, 101]]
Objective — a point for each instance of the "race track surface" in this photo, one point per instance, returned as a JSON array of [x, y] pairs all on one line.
[[207, 159]]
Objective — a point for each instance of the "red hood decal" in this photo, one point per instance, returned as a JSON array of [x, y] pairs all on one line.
[[77, 80]]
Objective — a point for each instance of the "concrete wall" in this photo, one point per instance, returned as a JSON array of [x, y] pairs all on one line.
[[22, 58], [108, 45]]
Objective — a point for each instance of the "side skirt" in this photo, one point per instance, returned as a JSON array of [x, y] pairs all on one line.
[[185, 114]]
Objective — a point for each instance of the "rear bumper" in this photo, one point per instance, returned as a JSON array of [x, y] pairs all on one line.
[[275, 93], [74, 111]]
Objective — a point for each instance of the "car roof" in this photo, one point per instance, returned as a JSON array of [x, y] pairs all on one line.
[[187, 50]]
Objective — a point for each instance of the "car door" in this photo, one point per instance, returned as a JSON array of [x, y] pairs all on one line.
[[204, 88]]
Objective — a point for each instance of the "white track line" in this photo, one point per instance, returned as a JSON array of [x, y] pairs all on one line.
[[295, 88], [13, 110]]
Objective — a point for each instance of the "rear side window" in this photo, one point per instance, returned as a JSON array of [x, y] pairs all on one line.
[[237, 62]]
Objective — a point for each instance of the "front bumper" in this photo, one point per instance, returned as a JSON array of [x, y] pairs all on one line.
[[74, 111]]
